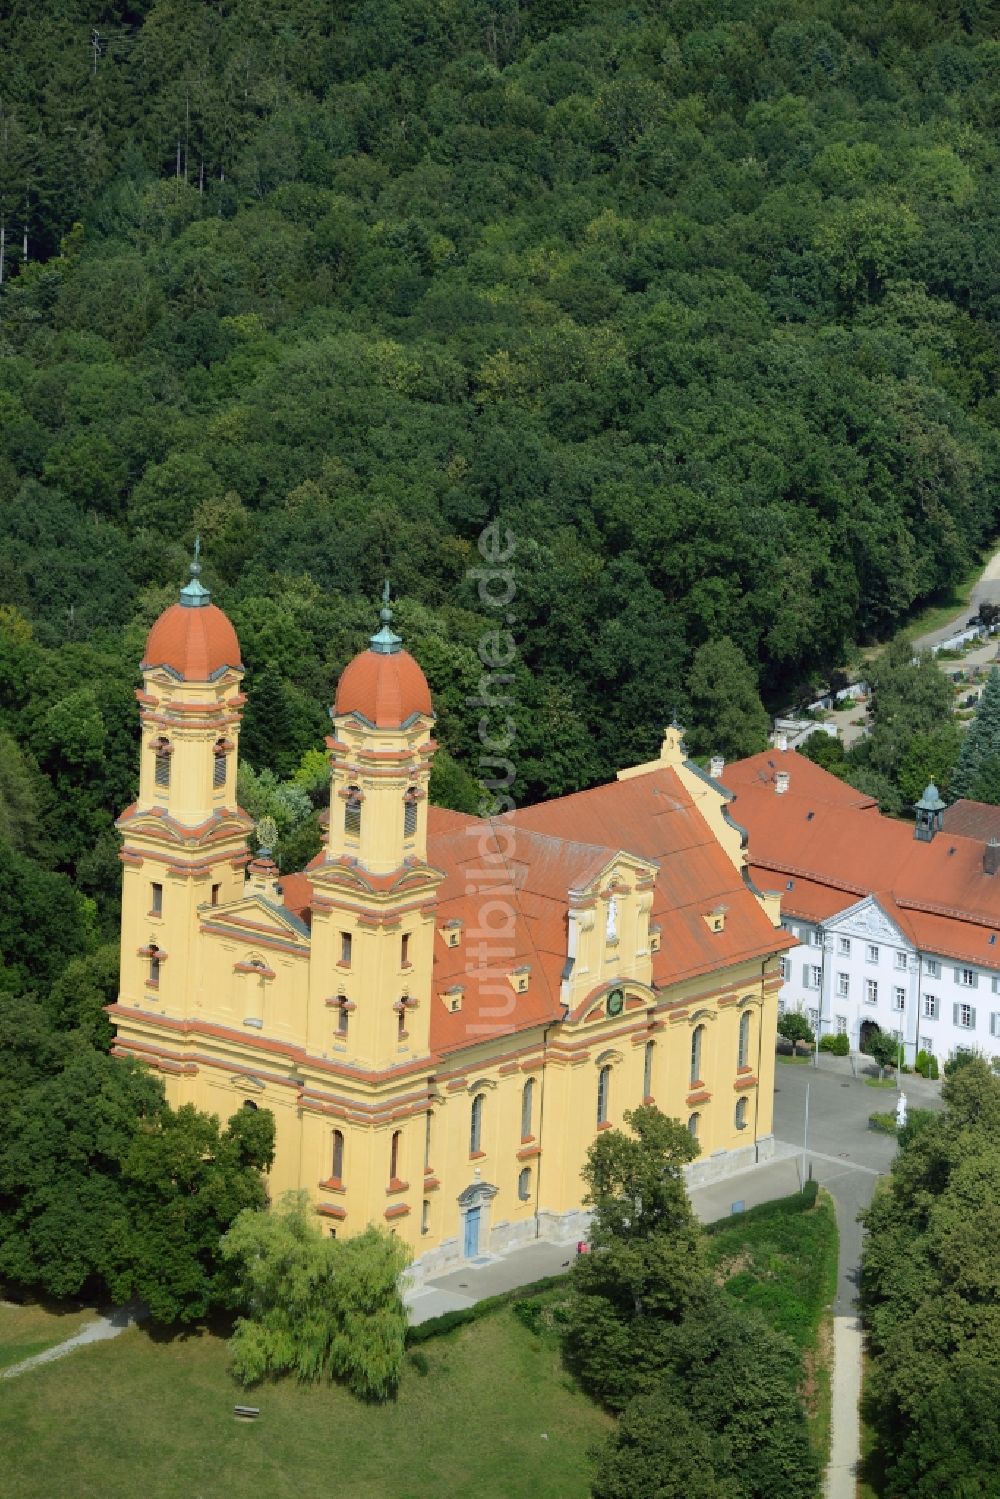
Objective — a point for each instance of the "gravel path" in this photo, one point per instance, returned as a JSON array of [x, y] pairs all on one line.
[[108, 1325]]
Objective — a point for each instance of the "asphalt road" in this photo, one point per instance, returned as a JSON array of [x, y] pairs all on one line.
[[846, 1156]]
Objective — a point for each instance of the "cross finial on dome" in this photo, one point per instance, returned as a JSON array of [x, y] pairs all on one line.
[[194, 595], [385, 641]]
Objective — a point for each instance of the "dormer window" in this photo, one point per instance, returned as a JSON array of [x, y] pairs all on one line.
[[162, 750], [352, 812], [410, 813]]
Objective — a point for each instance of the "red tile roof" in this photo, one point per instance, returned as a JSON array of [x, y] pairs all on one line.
[[195, 643], [385, 689], [972, 820], [823, 846], [515, 872]]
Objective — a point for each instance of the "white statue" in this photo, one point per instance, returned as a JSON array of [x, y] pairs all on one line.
[[901, 1111], [612, 927]]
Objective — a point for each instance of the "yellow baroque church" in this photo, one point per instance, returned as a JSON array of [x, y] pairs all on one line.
[[441, 1011]]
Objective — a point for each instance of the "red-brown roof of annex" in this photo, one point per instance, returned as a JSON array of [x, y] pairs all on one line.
[[823, 845]]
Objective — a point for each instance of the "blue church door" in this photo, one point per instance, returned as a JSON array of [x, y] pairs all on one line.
[[472, 1232]]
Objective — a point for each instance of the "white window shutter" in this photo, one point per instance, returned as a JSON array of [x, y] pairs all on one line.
[[958, 975], [954, 1014], [993, 1023], [975, 981], [972, 1020]]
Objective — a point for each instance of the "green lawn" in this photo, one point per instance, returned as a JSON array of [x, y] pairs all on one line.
[[783, 1261], [495, 1414], [26, 1330]]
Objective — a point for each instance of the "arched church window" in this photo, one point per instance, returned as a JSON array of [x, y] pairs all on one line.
[[352, 812], [741, 1113], [744, 1046], [694, 1123], [154, 964], [527, 1108], [394, 1149], [476, 1124], [697, 1035], [337, 1159], [524, 1184], [647, 1069], [603, 1091]]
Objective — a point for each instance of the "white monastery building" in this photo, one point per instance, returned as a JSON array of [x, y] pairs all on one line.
[[898, 926]]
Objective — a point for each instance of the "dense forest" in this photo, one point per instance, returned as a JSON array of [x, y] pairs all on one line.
[[699, 301]]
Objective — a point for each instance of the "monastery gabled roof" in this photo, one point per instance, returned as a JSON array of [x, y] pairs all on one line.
[[821, 844]]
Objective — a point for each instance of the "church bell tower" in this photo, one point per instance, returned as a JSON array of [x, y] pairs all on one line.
[[184, 837], [373, 908]]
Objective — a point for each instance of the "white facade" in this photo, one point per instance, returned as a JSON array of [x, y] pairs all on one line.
[[858, 966]]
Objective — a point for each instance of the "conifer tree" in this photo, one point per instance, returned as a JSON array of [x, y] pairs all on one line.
[[977, 771]]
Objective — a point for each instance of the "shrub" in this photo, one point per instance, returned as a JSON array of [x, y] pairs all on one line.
[[884, 1123], [794, 1026], [838, 1046], [961, 1058], [529, 1314], [927, 1064], [420, 1362]]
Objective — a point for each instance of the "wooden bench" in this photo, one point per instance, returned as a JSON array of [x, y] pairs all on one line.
[[247, 1412]]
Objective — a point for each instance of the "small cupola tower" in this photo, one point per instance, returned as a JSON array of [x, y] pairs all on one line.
[[929, 810], [184, 837], [374, 892]]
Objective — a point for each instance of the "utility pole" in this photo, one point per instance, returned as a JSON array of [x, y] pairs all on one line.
[[805, 1139], [95, 45]]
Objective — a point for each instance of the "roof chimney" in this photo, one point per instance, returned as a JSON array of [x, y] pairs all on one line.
[[781, 782], [991, 857], [716, 766]]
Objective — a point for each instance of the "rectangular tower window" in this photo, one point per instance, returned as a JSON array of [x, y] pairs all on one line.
[[352, 812], [409, 819], [219, 770], [346, 943], [216, 892], [404, 949], [155, 899], [161, 768], [343, 1021]]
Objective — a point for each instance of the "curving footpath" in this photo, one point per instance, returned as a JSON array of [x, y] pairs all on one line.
[[108, 1325]]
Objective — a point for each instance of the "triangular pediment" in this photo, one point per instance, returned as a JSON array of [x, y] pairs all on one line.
[[867, 921], [253, 916], [621, 868]]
